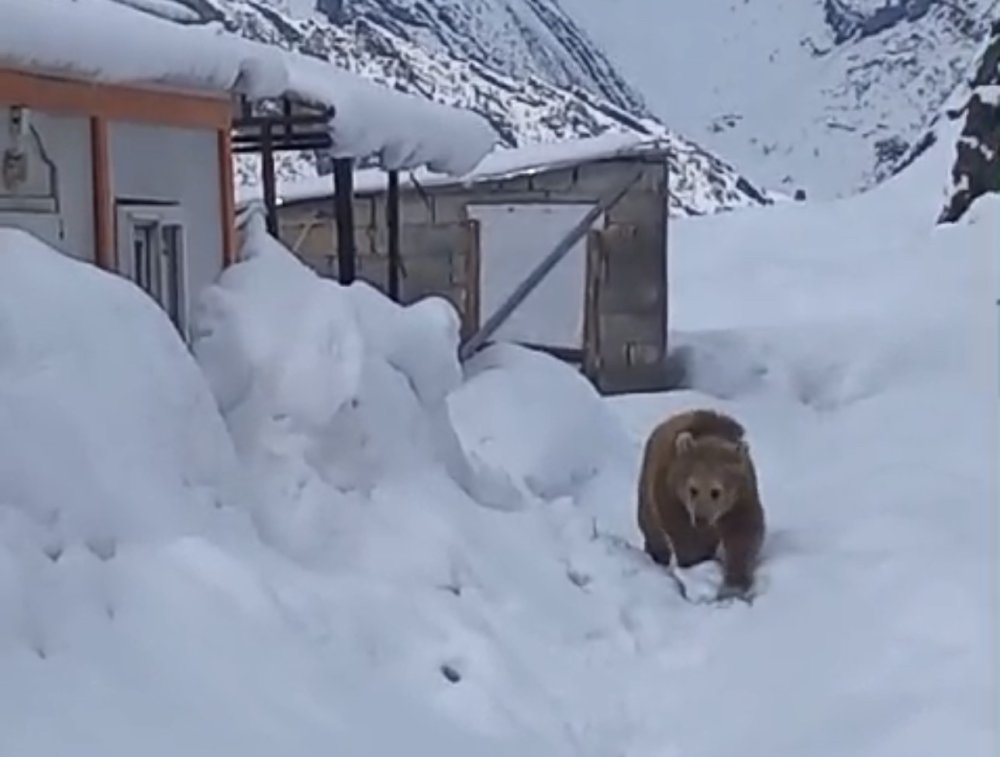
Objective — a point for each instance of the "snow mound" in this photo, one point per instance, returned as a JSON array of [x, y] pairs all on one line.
[[89, 365], [329, 391], [139, 610], [540, 422]]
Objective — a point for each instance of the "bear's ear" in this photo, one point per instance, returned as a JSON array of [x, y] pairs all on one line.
[[684, 441]]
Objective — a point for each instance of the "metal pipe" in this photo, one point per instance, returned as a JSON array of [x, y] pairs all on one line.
[[267, 176], [343, 199], [392, 224]]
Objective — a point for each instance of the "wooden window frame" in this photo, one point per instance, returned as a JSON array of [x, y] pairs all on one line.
[[103, 103]]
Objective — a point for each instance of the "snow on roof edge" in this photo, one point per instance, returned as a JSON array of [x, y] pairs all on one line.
[[405, 131], [102, 41], [500, 164], [99, 40]]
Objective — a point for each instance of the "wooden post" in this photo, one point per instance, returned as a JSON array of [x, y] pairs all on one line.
[[104, 221], [227, 196], [343, 198], [267, 177], [392, 224]]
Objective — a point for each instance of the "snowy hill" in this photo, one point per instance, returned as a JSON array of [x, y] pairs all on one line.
[[825, 95], [418, 56]]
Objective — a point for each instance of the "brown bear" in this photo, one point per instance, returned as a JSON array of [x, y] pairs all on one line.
[[698, 497]]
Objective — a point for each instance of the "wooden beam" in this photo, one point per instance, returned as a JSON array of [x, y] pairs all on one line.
[[105, 254], [281, 144], [392, 223], [343, 198], [227, 199], [114, 102]]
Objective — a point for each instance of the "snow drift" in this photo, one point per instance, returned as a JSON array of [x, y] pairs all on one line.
[[387, 553], [138, 608], [79, 385]]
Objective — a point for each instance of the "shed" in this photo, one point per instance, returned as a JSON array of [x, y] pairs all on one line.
[[116, 135], [474, 239]]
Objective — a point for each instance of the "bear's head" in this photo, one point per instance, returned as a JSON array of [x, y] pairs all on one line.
[[709, 473]]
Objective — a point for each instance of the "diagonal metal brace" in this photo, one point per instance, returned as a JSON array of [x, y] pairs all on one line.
[[495, 321]]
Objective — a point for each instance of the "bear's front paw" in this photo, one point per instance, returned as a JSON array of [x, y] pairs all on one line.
[[729, 592]]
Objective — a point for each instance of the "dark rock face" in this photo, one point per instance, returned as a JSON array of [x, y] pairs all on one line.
[[846, 22], [977, 166]]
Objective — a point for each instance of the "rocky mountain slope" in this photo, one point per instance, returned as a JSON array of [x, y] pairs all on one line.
[[977, 163], [824, 95], [522, 64], [522, 38]]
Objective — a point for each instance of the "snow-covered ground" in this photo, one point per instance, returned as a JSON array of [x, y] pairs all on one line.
[[367, 551]]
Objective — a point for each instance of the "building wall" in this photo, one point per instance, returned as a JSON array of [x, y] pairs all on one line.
[[151, 163], [439, 250], [65, 141]]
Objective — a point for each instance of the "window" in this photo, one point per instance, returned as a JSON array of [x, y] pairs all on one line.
[[151, 253]]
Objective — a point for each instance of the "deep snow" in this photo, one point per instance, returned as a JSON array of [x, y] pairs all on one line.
[[389, 553]]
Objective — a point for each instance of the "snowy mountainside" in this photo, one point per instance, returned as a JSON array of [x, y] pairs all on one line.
[[522, 110], [824, 95], [523, 38]]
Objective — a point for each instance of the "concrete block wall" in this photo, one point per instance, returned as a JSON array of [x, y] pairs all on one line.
[[439, 252]]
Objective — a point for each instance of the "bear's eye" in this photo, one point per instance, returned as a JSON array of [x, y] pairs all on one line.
[[716, 492], [693, 491]]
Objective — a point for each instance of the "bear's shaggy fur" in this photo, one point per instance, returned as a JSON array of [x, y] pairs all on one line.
[[698, 497]]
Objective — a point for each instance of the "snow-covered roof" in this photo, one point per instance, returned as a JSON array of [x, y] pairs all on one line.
[[103, 41], [98, 40], [406, 131], [501, 163]]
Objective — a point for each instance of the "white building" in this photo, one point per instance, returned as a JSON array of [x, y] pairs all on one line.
[[115, 135]]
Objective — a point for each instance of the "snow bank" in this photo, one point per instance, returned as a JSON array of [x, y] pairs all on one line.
[[329, 391], [526, 415], [107, 431], [361, 476], [138, 610]]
